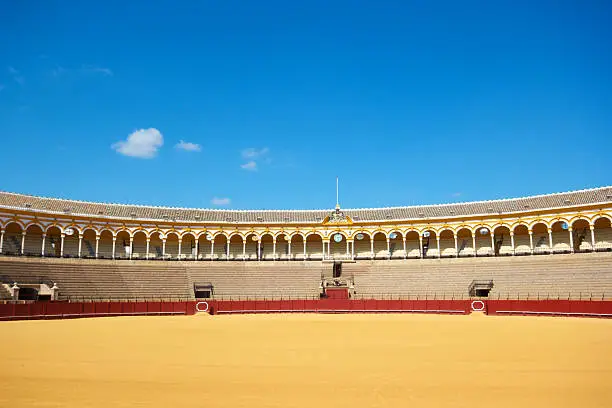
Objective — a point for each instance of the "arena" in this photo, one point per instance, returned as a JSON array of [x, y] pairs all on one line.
[[306, 360], [447, 305]]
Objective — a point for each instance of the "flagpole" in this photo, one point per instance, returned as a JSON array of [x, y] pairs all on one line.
[[337, 201]]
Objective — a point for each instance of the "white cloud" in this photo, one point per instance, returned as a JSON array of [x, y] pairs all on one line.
[[220, 201], [456, 194], [94, 69], [187, 146], [250, 166], [17, 77], [252, 153], [142, 143]]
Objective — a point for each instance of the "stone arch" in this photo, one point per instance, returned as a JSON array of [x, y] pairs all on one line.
[[337, 249], [413, 244], [522, 243], [219, 245], [188, 245], [250, 245], [379, 245], [314, 245], [88, 249], [282, 245], [71, 241], [501, 237], [266, 245], [33, 239], [560, 236], [13, 232], [123, 248], [465, 241], [447, 243], [541, 241], [429, 248], [156, 244], [235, 241], [139, 247], [362, 246], [396, 244], [297, 246], [581, 227], [602, 232], [483, 236], [105, 244]]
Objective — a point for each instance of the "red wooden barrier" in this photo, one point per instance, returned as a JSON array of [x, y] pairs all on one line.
[[595, 308]]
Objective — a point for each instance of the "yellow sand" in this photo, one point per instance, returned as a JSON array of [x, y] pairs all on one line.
[[307, 361]]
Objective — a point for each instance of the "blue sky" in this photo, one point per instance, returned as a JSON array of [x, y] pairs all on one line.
[[408, 102]]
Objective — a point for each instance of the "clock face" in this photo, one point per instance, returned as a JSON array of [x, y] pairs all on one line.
[[338, 237], [359, 236], [393, 235]]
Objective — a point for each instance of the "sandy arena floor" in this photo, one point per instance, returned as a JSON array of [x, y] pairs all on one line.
[[307, 361]]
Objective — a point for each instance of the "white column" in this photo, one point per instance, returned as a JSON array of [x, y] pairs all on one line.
[[304, 248], [550, 242], [42, 250], [274, 249], [474, 242], [131, 246], [593, 236], [97, 245], [531, 240], [438, 242], [80, 244], [259, 249], [23, 235], [323, 241], [352, 249], [512, 241], [180, 247], [388, 247], [244, 249], [289, 247], [114, 241], [197, 249], [62, 245], [492, 243], [148, 246], [456, 246], [163, 248], [212, 249], [227, 249], [348, 249], [372, 247], [421, 246], [404, 242], [1, 240], [571, 236]]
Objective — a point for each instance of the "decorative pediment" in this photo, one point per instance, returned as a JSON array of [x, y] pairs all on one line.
[[337, 217]]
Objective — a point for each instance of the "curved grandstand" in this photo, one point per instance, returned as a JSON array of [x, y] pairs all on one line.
[[449, 250]]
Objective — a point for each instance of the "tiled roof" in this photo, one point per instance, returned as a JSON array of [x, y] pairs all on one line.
[[524, 204]]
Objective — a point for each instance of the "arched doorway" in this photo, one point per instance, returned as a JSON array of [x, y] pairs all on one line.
[[522, 244], [139, 250], [235, 243], [603, 234], [33, 240], [540, 239], [362, 244], [188, 246], [11, 244], [560, 237], [53, 242], [88, 249], [429, 248], [282, 246], [314, 246], [581, 231], [503, 243], [396, 245], [413, 249], [484, 245], [465, 242], [266, 247], [297, 247], [105, 245], [123, 247], [337, 245], [447, 244], [379, 240]]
